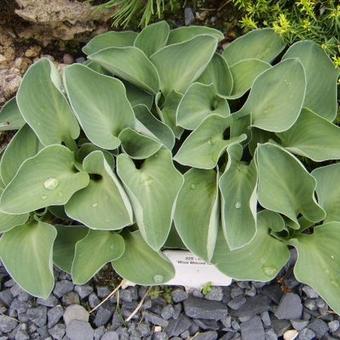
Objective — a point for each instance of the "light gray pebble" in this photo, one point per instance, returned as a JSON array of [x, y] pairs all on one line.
[[9, 283], [93, 300], [6, 297], [58, 331], [75, 312], [116, 321], [147, 304], [21, 335], [226, 321], [299, 324], [98, 333], [103, 315], [266, 319], [189, 16], [185, 335], [319, 327], [243, 284], [270, 335], [207, 324], [236, 291], [51, 301], [290, 307], [178, 310], [125, 295], [62, 287], [38, 315], [83, 291], [252, 329], [159, 336], [167, 312], [143, 329], [251, 291], [310, 304], [110, 336], [54, 315], [80, 60], [210, 335], [179, 295], [235, 325], [79, 330], [333, 325], [306, 334], [103, 292], [155, 319], [215, 294], [310, 292], [237, 302], [197, 293]]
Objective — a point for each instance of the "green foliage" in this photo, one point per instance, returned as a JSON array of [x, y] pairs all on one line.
[[159, 140], [317, 20]]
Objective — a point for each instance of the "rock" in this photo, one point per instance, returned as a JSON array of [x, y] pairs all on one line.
[[110, 336], [167, 312], [252, 329], [58, 331], [179, 295], [177, 327], [216, 294], [319, 327], [33, 51], [68, 59], [6, 297], [79, 330], [236, 291], [290, 334], [290, 307], [237, 302], [207, 324], [54, 315], [143, 329], [299, 324], [62, 287], [274, 292], [117, 320], [155, 319], [310, 292], [51, 301], [189, 16], [75, 312], [197, 308], [266, 319], [280, 326], [125, 295], [235, 325], [333, 325], [70, 298], [103, 292], [103, 315], [98, 333], [21, 335], [7, 324], [210, 335], [306, 334], [270, 334], [93, 300], [160, 336], [254, 305], [38, 315], [83, 291]]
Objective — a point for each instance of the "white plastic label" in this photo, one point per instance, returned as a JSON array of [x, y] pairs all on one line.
[[193, 272]]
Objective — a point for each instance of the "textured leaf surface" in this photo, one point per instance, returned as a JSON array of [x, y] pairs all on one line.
[[260, 260], [328, 191], [198, 102], [181, 34], [110, 39], [138, 145], [153, 37], [262, 44], [93, 252], [23, 145], [205, 145], [180, 64], [312, 136], [100, 104], [64, 245], [244, 73], [321, 76], [153, 189], [103, 204], [141, 264], [32, 266], [46, 179], [218, 74], [197, 212], [294, 189], [276, 97], [238, 203], [318, 262], [130, 64], [10, 116], [43, 105], [137, 96]]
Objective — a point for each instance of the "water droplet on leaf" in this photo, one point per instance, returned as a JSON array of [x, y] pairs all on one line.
[[332, 257], [51, 183], [158, 278], [94, 205], [269, 271], [238, 205]]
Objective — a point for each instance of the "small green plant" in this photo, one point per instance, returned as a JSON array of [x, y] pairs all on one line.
[[296, 20], [206, 289], [158, 130]]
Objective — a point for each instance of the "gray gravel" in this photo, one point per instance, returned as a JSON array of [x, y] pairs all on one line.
[[244, 310]]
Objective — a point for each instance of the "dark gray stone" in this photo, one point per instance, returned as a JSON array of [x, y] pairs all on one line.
[[103, 292], [310, 292], [177, 327], [57, 331], [299, 324], [21, 334], [270, 334], [254, 305], [83, 291], [155, 319], [280, 326], [103, 315], [274, 292], [159, 336], [54, 315], [210, 335], [252, 329], [79, 330], [215, 294], [110, 336], [98, 333], [310, 304], [319, 327], [189, 16], [266, 319], [237, 302], [125, 295], [143, 329], [236, 291], [197, 308], [62, 287], [51, 301], [207, 324], [38, 315], [167, 312], [6, 297], [290, 307], [70, 298], [93, 300], [333, 325], [306, 334], [179, 295], [117, 320]]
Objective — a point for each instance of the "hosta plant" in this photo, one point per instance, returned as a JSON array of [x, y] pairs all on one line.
[[162, 140]]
